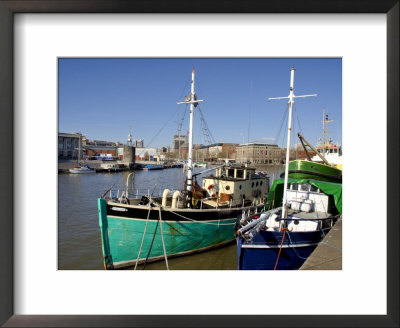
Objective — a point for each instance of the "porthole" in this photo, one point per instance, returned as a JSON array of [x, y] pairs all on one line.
[[261, 183], [227, 187], [240, 186], [304, 187], [252, 185], [257, 184]]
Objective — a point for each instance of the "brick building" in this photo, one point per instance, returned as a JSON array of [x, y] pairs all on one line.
[[259, 153]]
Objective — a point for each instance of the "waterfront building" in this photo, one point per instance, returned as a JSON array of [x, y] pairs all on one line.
[[217, 151], [68, 145], [300, 153], [146, 154], [259, 153], [202, 153], [197, 152], [179, 141], [100, 148], [223, 150], [126, 154], [138, 143], [68, 148]]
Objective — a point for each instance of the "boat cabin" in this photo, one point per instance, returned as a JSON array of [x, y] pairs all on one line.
[[236, 186], [306, 204], [307, 198], [231, 186]]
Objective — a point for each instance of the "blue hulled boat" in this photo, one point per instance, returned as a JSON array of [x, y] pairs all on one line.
[[269, 241], [297, 216]]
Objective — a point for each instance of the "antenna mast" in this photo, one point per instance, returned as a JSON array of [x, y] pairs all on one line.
[[291, 102], [325, 120]]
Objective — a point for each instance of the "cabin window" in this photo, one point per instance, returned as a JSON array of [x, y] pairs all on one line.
[[257, 184], [231, 173], [239, 174], [252, 185], [227, 187], [304, 187], [261, 183], [240, 186], [314, 189], [295, 186]]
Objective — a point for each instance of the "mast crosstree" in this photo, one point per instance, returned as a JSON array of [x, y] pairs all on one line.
[[291, 98], [193, 103]]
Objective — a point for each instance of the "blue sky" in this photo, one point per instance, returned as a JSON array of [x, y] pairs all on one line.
[[109, 98]]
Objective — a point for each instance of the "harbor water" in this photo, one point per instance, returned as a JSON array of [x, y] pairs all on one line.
[[79, 240]]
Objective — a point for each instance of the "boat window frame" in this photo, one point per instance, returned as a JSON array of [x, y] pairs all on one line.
[[239, 173]]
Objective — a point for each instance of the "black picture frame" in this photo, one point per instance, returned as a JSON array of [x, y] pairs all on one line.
[[10, 7]]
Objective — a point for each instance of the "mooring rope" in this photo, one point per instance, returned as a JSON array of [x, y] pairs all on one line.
[[162, 238], [151, 246], [294, 248], [280, 249], [144, 233]]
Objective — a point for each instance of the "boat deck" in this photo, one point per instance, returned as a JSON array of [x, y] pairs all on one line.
[[308, 215]]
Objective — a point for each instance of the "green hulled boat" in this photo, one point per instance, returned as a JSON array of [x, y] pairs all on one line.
[[310, 169], [303, 169], [144, 228]]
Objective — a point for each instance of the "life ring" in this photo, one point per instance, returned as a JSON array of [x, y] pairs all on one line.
[[211, 190]]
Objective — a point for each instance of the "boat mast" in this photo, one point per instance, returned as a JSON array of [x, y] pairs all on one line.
[[193, 103], [325, 130], [291, 102]]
